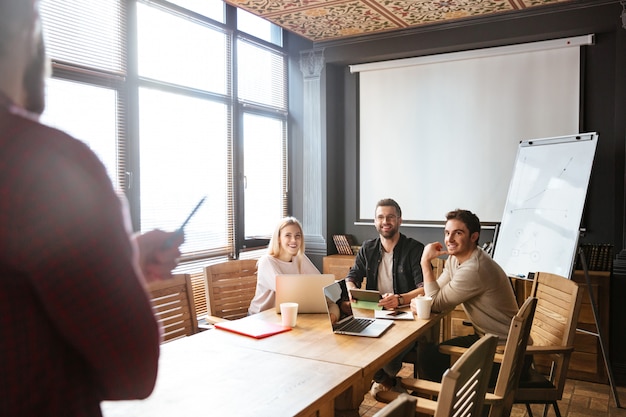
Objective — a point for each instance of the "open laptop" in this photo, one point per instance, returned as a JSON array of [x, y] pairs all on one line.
[[349, 324], [304, 289]]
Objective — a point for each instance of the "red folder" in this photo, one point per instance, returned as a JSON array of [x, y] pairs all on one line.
[[252, 327]]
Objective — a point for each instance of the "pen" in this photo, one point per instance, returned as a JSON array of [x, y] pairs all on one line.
[[170, 241], [182, 226]]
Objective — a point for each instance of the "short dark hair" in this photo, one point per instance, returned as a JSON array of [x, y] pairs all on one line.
[[389, 202], [470, 219]]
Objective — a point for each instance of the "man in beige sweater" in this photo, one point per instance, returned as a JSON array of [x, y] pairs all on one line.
[[470, 278]]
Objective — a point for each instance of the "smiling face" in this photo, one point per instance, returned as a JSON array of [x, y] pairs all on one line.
[[290, 242], [387, 221], [459, 241]]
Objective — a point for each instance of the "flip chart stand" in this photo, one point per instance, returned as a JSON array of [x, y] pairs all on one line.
[[599, 335]]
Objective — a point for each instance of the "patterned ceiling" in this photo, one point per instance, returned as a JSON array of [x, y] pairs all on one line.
[[324, 20]]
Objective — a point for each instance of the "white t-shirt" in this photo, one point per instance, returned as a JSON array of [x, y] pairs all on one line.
[[385, 274]]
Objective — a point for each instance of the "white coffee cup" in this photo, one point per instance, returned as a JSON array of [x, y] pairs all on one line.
[[422, 306], [289, 311]]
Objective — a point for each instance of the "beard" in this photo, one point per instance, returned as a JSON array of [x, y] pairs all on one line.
[[34, 80], [389, 233]]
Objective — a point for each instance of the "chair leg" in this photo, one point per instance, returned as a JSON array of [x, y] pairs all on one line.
[[546, 407]]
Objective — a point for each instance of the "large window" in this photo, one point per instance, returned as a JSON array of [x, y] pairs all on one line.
[[180, 99]]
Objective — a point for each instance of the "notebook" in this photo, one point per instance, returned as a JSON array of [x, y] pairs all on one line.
[[304, 289], [252, 327], [351, 325]]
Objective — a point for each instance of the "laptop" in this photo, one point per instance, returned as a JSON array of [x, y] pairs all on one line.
[[304, 289], [349, 324]]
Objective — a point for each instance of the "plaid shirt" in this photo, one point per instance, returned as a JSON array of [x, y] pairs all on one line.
[[76, 325]]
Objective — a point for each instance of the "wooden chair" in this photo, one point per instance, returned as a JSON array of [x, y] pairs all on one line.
[[463, 386], [512, 362], [173, 305], [403, 406], [554, 327], [411, 356], [230, 287]]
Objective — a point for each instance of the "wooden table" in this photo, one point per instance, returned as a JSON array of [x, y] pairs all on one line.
[[303, 372], [200, 377], [312, 338]]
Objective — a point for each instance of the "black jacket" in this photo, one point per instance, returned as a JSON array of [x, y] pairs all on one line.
[[407, 272]]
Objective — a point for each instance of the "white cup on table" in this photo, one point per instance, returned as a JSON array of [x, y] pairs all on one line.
[[289, 312], [423, 305]]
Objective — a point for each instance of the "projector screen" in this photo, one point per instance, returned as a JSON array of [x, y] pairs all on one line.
[[441, 132]]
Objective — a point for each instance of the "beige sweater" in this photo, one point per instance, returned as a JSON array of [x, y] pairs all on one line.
[[483, 289]]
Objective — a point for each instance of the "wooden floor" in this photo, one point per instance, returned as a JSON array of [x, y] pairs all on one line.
[[580, 398]]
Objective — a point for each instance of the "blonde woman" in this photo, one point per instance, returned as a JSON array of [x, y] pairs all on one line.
[[285, 255]]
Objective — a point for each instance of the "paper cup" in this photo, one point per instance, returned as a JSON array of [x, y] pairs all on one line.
[[289, 312], [422, 306]]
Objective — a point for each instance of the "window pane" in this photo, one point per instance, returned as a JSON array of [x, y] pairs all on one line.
[[179, 51], [263, 170], [88, 113], [184, 156], [259, 27], [213, 9], [87, 33], [261, 75]]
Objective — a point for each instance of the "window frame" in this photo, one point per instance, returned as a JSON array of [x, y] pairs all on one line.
[[127, 87]]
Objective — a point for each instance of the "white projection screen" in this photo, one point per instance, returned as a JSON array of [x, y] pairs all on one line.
[[441, 132]]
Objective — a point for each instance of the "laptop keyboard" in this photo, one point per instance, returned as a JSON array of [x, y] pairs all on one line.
[[356, 325]]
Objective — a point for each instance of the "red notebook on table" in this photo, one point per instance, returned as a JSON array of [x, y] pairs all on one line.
[[252, 327]]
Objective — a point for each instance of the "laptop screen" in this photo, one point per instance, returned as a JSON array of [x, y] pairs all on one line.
[[337, 294], [304, 289]]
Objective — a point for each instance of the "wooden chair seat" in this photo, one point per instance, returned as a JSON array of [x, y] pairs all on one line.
[[403, 406]]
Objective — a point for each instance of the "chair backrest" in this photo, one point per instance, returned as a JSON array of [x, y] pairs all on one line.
[[173, 305], [464, 385], [558, 304], [402, 406], [230, 287], [513, 358], [437, 265]]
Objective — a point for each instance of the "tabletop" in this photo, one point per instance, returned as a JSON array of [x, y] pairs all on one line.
[[312, 338], [306, 371], [199, 377]]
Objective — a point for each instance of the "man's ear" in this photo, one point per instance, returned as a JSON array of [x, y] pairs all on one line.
[[474, 237]]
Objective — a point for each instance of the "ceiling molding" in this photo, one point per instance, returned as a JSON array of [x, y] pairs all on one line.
[[328, 22]]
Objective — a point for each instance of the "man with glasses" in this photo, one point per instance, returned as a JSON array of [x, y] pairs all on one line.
[[391, 265]]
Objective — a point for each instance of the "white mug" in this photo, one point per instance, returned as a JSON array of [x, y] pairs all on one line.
[[289, 312], [422, 306]]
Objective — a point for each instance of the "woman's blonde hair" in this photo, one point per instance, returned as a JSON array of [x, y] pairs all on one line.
[[274, 247]]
